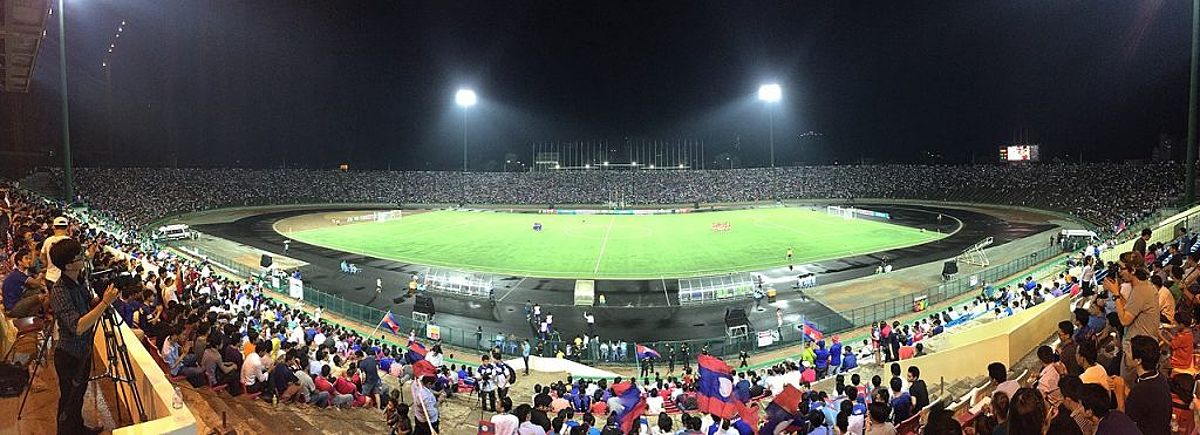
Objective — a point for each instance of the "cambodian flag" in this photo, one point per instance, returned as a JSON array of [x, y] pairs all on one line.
[[811, 331], [416, 352], [633, 405], [391, 323], [416, 357], [644, 352], [715, 391]]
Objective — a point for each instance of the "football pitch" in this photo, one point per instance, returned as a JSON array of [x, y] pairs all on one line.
[[615, 246]]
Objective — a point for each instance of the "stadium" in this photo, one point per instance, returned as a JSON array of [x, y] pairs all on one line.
[[250, 239]]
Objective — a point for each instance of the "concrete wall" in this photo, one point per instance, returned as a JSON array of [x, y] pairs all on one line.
[[966, 353]]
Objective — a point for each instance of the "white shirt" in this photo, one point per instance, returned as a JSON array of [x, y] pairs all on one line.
[[654, 405], [528, 428], [505, 424], [252, 369], [776, 384], [52, 272]]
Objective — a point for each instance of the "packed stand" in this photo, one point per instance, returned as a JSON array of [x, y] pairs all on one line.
[[141, 195]]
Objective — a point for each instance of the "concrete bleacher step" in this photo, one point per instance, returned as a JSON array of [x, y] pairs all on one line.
[[245, 416]]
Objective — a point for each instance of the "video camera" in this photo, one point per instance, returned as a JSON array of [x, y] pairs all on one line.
[[121, 279]]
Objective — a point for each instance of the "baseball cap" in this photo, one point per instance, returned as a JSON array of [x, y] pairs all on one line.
[[61, 222]]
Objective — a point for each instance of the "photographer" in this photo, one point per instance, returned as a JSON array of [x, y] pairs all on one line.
[[1136, 305], [71, 302]]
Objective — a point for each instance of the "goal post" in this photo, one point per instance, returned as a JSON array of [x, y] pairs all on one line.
[[384, 216], [842, 212]]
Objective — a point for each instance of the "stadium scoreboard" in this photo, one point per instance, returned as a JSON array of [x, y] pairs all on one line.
[[1019, 153]]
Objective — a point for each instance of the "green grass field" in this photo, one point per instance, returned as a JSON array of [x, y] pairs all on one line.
[[615, 247]]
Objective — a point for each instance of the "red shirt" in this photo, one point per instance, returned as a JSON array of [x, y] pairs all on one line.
[[599, 408], [324, 385], [1181, 349]]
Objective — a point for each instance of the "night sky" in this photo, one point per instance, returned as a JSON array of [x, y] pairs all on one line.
[[318, 83]]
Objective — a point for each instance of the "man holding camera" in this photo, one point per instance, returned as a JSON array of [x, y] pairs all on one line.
[[1136, 305], [71, 301]]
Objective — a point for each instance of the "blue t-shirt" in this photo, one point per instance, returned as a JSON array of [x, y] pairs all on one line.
[[901, 407], [370, 369], [14, 287]]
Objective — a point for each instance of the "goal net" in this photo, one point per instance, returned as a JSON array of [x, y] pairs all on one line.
[[842, 212]]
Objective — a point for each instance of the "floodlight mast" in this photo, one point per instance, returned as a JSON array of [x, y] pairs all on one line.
[[771, 93], [465, 98]]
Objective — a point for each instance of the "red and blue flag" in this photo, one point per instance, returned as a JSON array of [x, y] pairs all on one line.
[[390, 321], [811, 331], [782, 410], [633, 405], [416, 352], [416, 356], [715, 391], [644, 352]]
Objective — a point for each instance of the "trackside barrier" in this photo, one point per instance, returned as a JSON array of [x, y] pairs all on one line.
[[789, 334]]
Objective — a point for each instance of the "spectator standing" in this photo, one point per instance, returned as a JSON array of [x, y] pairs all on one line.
[[1138, 311], [918, 389], [70, 299], [62, 232], [425, 403]]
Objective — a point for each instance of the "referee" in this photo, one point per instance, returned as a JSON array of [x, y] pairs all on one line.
[[71, 300]]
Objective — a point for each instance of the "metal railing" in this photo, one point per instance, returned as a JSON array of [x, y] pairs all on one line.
[[788, 334]]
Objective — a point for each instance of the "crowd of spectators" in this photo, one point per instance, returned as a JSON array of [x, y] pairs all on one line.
[[1122, 365], [139, 195]]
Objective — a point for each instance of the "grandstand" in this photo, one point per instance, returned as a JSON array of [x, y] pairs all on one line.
[[952, 364]]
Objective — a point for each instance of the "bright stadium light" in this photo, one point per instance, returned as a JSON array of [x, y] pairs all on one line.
[[681, 166], [605, 163], [771, 93], [633, 163], [651, 166], [465, 97], [587, 166]]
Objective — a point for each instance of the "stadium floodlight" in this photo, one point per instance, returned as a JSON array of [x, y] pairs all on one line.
[[587, 166], [681, 166], [465, 97], [771, 93], [605, 163], [651, 166]]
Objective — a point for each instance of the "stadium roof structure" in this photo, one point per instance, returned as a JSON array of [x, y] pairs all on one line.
[[22, 26]]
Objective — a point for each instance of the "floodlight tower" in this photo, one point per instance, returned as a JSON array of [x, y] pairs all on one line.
[[771, 93], [465, 98], [68, 170]]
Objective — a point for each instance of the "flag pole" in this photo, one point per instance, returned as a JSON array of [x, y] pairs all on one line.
[[377, 325]]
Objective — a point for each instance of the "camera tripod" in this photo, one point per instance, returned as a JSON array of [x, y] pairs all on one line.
[[118, 368], [39, 359]]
